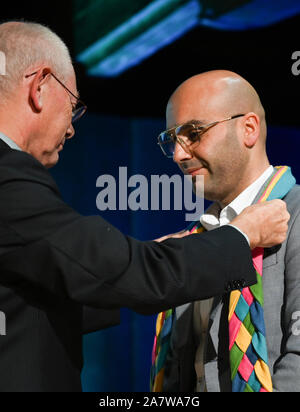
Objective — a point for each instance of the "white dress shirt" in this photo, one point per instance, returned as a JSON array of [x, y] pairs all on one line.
[[212, 219], [9, 142]]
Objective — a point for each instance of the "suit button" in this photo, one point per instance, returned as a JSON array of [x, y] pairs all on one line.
[[229, 287], [236, 284]]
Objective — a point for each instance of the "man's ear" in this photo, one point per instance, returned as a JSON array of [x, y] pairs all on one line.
[[251, 129], [36, 89]]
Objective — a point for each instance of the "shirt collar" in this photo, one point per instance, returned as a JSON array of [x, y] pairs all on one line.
[[9, 142], [215, 217]]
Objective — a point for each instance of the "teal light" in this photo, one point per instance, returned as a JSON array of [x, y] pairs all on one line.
[[112, 36], [153, 27], [144, 45]]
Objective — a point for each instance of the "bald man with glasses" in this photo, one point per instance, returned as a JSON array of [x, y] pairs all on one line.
[[217, 129]]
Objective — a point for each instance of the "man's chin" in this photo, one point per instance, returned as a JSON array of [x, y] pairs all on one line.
[[199, 185], [202, 190], [51, 161]]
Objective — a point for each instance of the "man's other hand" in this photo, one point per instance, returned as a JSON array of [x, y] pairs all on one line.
[[265, 224], [178, 235]]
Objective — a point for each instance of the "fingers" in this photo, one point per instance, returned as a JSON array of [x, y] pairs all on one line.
[[266, 224], [276, 223], [282, 214], [178, 235], [181, 234], [279, 207], [161, 239]]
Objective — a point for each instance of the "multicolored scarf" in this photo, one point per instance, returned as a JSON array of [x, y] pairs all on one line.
[[247, 347]]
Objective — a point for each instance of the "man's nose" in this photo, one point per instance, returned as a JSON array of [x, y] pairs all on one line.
[[181, 155]]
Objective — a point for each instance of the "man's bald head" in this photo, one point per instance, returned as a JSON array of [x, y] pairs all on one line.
[[216, 94], [231, 154], [35, 109], [26, 46]]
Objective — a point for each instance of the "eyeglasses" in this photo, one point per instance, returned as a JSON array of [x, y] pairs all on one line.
[[187, 135], [79, 109]]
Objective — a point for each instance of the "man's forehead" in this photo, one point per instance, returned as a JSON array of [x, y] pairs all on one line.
[[173, 123], [72, 85], [187, 111]]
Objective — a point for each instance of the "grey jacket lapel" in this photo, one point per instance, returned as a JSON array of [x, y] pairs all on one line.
[[217, 368], [184, 320]]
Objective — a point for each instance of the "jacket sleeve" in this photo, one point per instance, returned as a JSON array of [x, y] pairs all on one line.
[[45, 242], [95, 319]]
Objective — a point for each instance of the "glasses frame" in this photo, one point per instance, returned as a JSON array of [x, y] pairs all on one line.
[[78, 112], [201, 129]]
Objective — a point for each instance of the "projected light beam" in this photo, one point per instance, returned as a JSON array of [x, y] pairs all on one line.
[[149, 42], [162, 22]]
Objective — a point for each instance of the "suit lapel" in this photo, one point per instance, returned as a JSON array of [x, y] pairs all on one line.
[[216, 360], [184, 324], [214, 321]]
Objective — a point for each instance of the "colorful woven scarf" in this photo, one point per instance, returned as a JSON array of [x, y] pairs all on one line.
[[247, 340]]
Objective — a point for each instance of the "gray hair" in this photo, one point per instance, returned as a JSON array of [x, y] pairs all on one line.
[[26, 45]]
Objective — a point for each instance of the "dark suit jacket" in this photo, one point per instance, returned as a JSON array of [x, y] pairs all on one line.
[[53, 261]]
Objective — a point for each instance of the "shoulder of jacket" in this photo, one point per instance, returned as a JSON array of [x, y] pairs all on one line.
[[16, 165], [293, 195]]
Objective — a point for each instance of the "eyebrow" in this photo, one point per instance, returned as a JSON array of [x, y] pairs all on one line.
[[193, 121], [197, 122]]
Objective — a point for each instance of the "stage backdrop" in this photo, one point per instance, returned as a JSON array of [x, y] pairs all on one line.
[[119, 358]]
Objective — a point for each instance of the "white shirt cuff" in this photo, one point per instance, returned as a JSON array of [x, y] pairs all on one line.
[[244, 234]]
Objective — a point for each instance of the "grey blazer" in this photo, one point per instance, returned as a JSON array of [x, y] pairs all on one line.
[[281, 283]]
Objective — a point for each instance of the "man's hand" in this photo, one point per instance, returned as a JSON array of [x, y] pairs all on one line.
[[178, 235], [265, 224]]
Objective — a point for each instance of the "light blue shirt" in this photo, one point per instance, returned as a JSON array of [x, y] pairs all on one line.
[[9, 142]]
